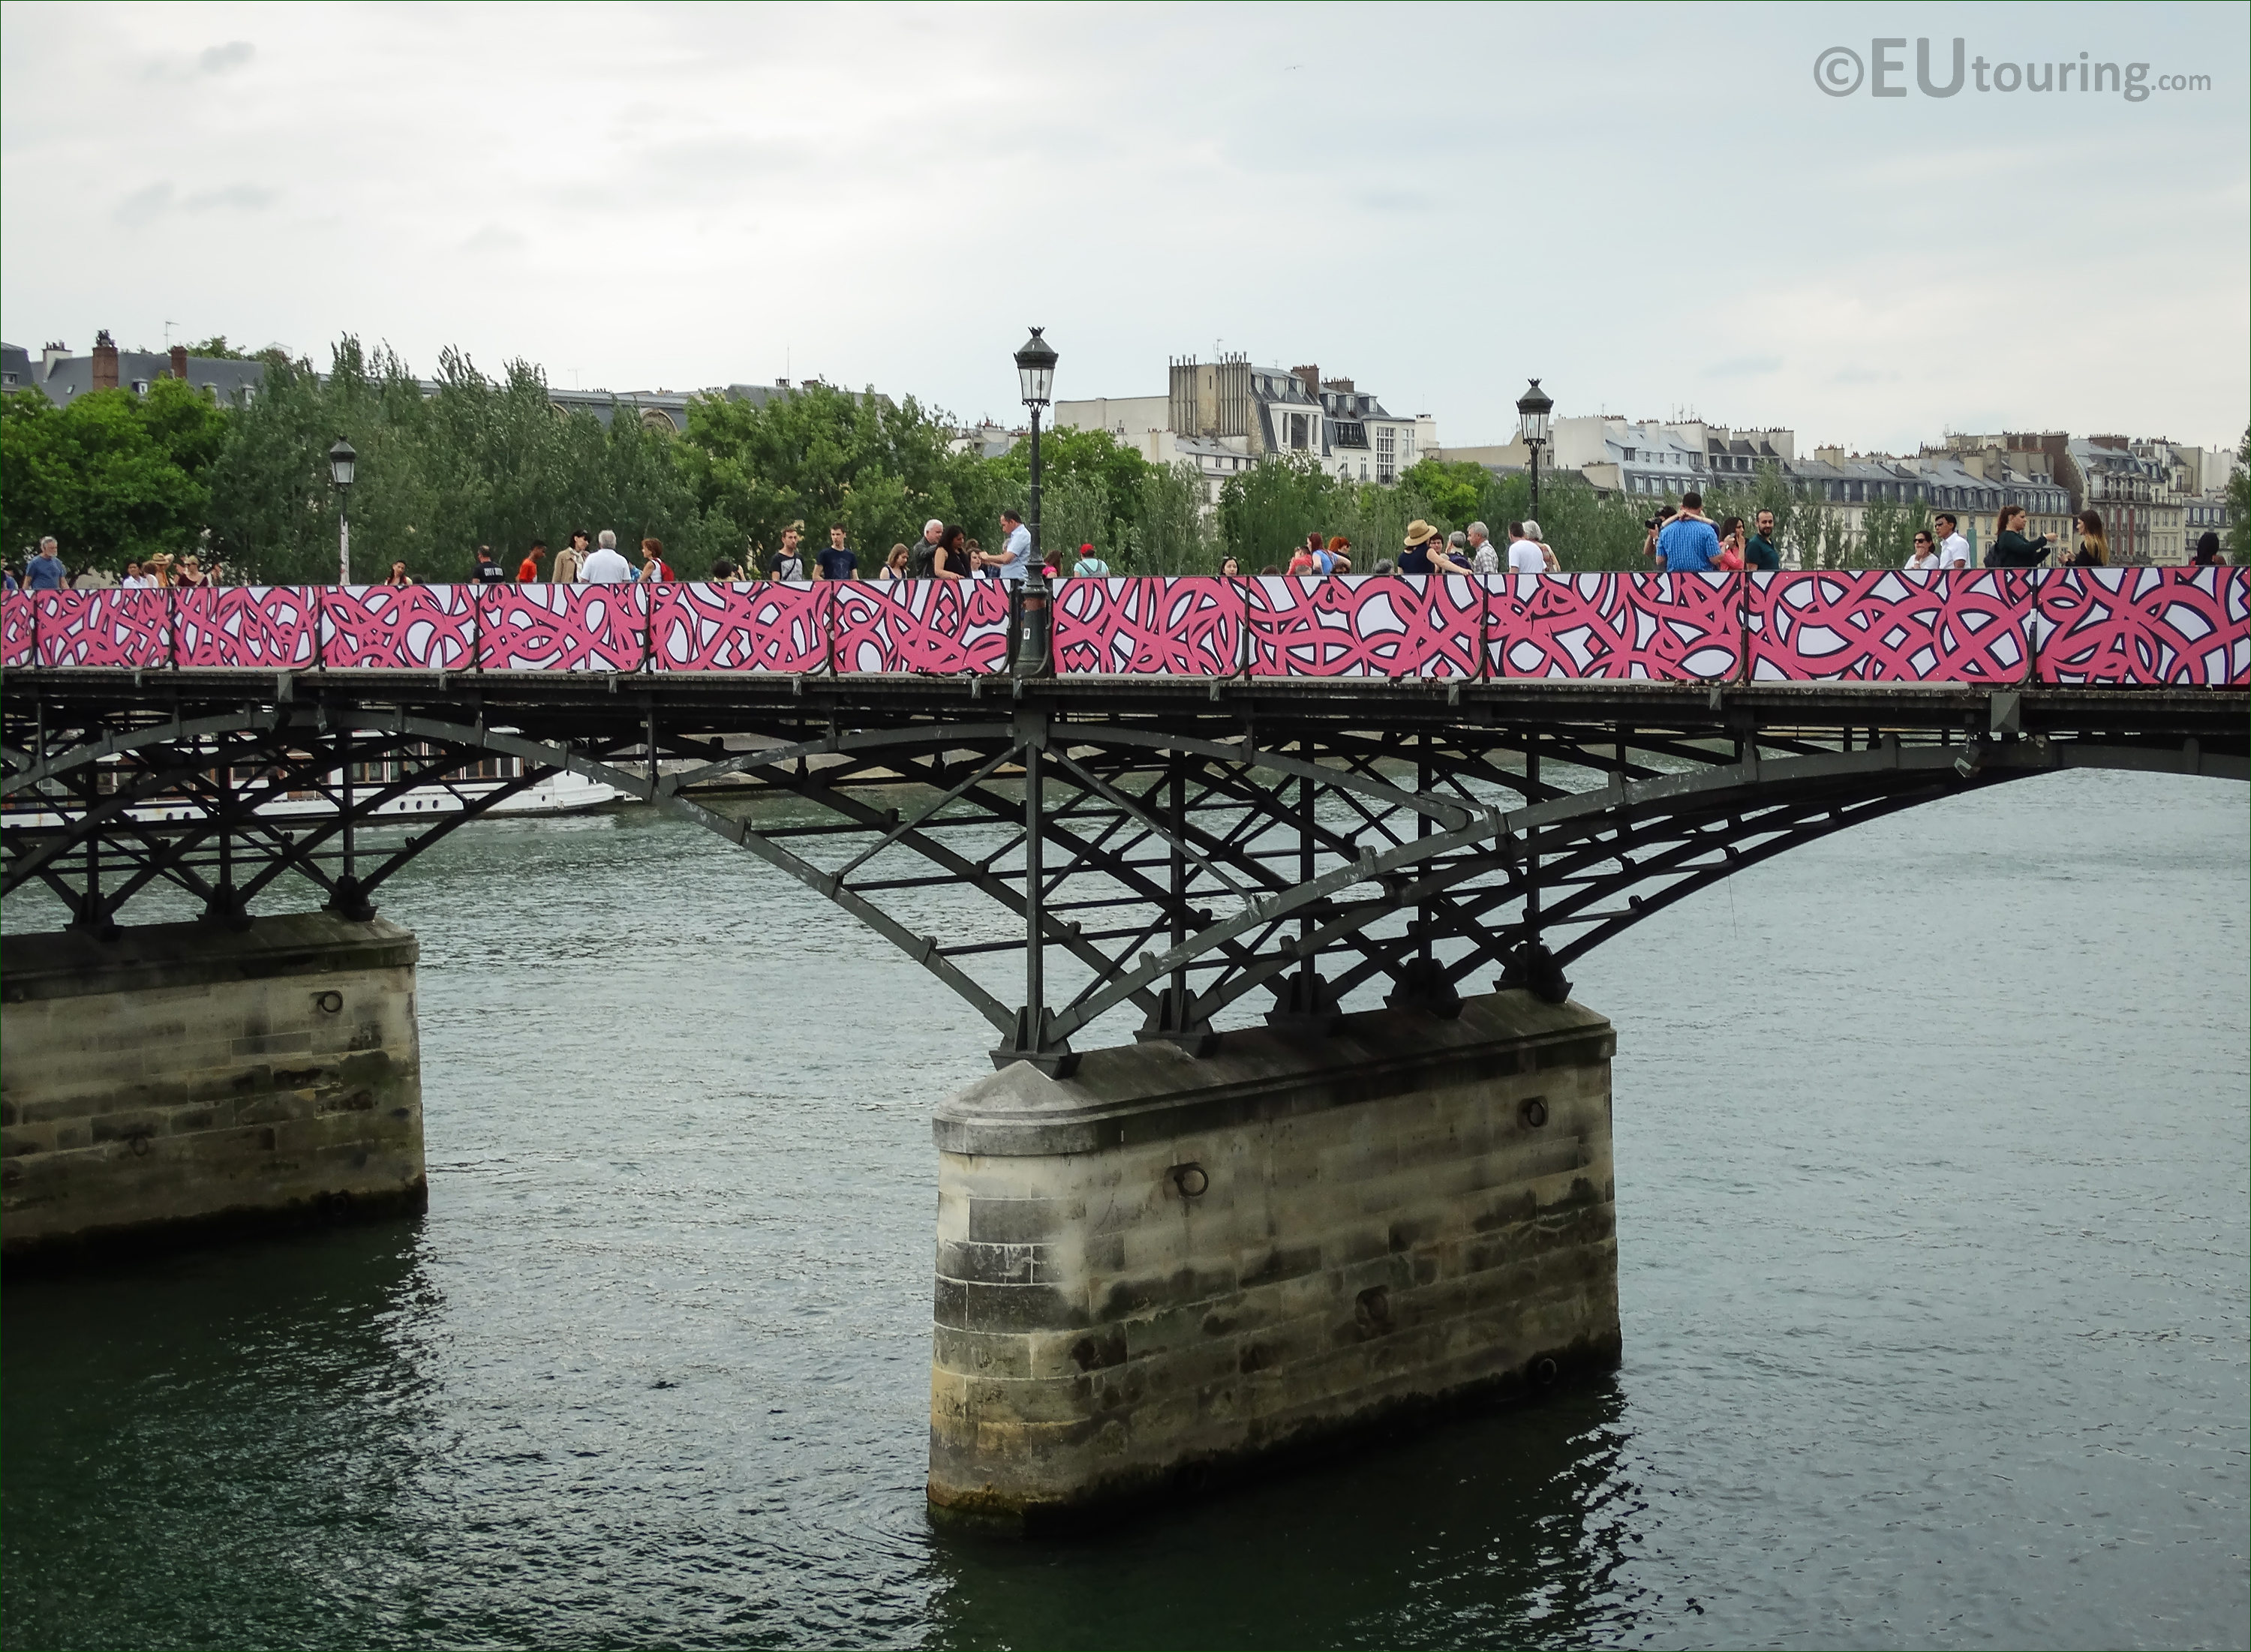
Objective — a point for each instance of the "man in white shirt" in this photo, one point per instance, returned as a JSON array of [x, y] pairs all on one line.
[[1953, 548], [605, 567], [1525, 555]]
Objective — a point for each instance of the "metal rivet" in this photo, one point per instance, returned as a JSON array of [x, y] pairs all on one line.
[[1190, 1179]]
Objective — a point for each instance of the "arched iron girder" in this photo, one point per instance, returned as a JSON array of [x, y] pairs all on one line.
[[1620, 799], [1502, 826]]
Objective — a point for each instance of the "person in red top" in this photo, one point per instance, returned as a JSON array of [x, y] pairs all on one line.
[[528, 573], [1304, 562]]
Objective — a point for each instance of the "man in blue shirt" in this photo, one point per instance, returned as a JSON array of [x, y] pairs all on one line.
[[44, 571], [1014, 560], [1688, 543]]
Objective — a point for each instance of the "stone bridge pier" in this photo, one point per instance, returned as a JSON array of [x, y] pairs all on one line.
[[174, 1082], [1164, 1268]]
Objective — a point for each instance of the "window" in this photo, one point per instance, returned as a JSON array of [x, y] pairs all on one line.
[[140, 387]]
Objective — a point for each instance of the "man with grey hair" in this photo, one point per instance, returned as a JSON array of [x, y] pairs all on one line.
[[1483, 559], [922, 559], [44, 571], [605, 567]]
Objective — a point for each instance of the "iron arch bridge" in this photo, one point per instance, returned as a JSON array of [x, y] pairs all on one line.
[[1150, 849]]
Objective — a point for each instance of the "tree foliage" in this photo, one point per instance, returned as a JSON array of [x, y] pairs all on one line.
[[113, 476], [2238, 501]]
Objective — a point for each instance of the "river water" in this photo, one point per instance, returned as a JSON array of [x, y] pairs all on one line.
[[1932, 1194]]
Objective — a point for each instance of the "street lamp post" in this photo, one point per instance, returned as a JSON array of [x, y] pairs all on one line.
[[1531, 410], [1036, 365], [341, 464]]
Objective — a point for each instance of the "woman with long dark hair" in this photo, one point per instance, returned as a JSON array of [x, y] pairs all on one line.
[[2011, 549], [952, 559]]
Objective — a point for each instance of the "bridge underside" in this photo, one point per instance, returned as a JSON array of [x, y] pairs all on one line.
[[1176, 846]]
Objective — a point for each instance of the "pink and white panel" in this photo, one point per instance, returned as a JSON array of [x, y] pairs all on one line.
[[410, 628], [560, 627], [2150, 625], [1882, 625], [1663, 627], [943, 626], [18, 628], [770, 626], [1365, 625], [251, 627], [1149, 627], [117, 628]]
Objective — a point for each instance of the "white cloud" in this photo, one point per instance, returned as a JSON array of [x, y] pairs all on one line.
[[1648, 207]]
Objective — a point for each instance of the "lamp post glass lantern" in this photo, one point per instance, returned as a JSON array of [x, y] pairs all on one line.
[[344, 463], [1036, 365], [1531, 410]]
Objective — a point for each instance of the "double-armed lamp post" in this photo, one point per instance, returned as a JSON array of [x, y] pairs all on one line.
[[1531, 410], [1036, 365], [342, 462]]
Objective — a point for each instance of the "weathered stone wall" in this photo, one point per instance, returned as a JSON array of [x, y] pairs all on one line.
[[186, 1077], [1412, 1211]]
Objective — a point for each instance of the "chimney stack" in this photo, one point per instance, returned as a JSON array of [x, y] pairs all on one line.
[[179, 361], [105, 361], [1311, 378]]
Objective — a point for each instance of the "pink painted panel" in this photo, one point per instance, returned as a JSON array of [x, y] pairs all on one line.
[[1150, 626], [2178, 625], [767, 626], [414, 628], [1885, 626], [252, 628], [543, 627], [16, 628], [941, 626], [117, 628], [1665, 627], [1365, 625]]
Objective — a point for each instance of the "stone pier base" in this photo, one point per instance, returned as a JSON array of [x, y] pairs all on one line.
[[1164, 1266], [185, 1080]]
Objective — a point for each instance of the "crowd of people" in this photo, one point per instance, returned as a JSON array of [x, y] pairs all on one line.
[[1680, 538], [43, 570]]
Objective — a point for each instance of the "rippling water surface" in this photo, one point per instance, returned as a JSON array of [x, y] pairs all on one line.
[[1932, 1194]]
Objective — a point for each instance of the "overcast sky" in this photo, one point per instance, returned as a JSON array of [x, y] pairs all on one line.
[[1655, 210]]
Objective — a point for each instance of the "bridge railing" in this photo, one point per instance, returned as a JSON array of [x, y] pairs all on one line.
[[2173, 626]]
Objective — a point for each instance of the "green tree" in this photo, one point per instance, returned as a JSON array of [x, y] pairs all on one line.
[[1168, 531], [1454, 491], [2238, 501], [113, 476], [466, 461], [823, 455], [1266, 511]]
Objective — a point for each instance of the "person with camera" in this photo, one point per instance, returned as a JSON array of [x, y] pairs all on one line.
[[1655, 527]]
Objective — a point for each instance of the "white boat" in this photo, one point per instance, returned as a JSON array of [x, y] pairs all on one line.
[[463, 791]]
